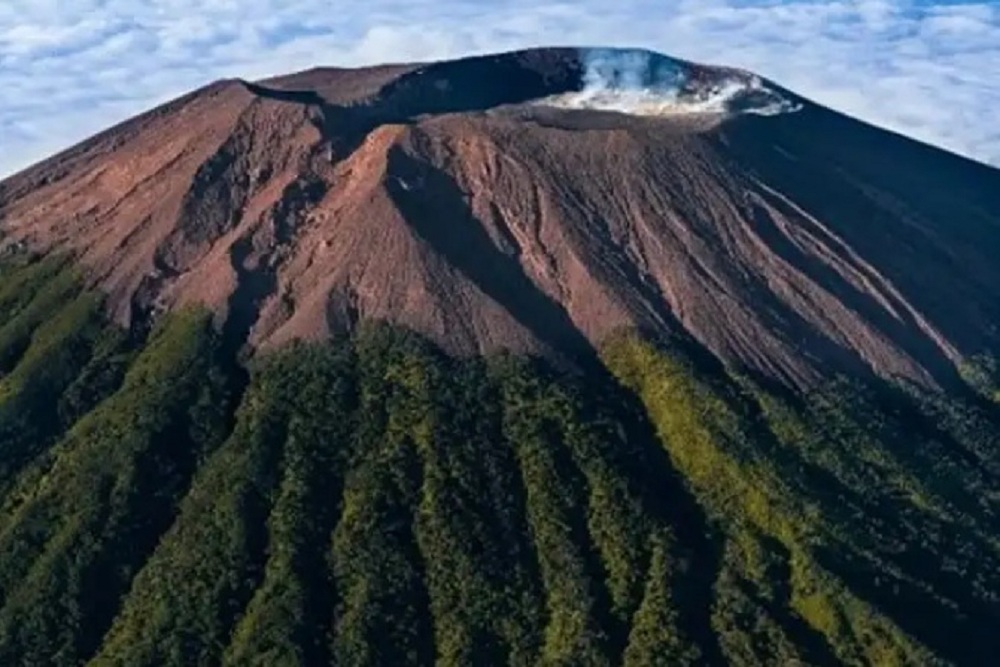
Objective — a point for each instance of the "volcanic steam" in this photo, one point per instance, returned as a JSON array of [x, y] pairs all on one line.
[[644, 83]]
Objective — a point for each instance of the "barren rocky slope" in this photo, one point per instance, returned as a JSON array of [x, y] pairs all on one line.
[[445, 198]]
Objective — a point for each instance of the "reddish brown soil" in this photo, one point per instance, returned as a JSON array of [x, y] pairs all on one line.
[[797, 246]]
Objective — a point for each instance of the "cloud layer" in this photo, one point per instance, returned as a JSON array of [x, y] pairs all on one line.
[[69, 68]]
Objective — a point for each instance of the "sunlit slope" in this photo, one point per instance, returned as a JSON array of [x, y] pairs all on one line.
[[534, 202]]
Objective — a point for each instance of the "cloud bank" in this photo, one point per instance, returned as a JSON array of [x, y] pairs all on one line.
[[69, 68]]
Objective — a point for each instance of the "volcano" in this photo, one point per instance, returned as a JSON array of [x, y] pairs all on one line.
[[536, 202], [559, 356]]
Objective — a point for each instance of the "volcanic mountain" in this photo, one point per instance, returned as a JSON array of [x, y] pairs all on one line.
[[556, 357], [535, 202]]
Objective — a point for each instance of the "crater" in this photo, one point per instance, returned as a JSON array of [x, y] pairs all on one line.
[[644, 83]]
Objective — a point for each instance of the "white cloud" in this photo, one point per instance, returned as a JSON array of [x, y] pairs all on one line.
[[69, 68]]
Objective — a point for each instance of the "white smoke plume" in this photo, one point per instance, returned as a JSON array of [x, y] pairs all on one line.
[[644, 83]]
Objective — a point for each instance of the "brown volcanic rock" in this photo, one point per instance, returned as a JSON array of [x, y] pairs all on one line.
[[796, 245]]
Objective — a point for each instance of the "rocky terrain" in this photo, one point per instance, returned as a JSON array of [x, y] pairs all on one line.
[[451, 198]]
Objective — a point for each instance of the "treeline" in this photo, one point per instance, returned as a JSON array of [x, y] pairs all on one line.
[[371, 501]]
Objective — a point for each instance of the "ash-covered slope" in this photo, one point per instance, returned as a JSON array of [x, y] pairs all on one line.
[[536, 201]]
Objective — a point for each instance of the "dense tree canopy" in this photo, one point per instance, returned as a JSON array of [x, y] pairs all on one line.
[[370, 501]]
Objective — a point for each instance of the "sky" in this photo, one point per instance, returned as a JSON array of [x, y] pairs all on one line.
[[69, 68]]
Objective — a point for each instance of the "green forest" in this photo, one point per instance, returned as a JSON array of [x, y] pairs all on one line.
[[372, 501]]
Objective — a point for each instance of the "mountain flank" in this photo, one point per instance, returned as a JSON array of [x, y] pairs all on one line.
[[556, 357], [450, 199]]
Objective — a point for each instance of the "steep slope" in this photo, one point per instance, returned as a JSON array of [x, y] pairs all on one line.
[[494, 203]]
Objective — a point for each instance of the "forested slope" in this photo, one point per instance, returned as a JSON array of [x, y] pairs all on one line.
[[373, 501]]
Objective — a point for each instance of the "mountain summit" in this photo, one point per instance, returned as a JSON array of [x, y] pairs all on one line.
[[536, 201]]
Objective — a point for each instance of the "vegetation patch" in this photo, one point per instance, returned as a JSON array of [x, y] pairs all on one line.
[[370, 500]]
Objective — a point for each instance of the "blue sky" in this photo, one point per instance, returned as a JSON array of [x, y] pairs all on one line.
[[69, 68]]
